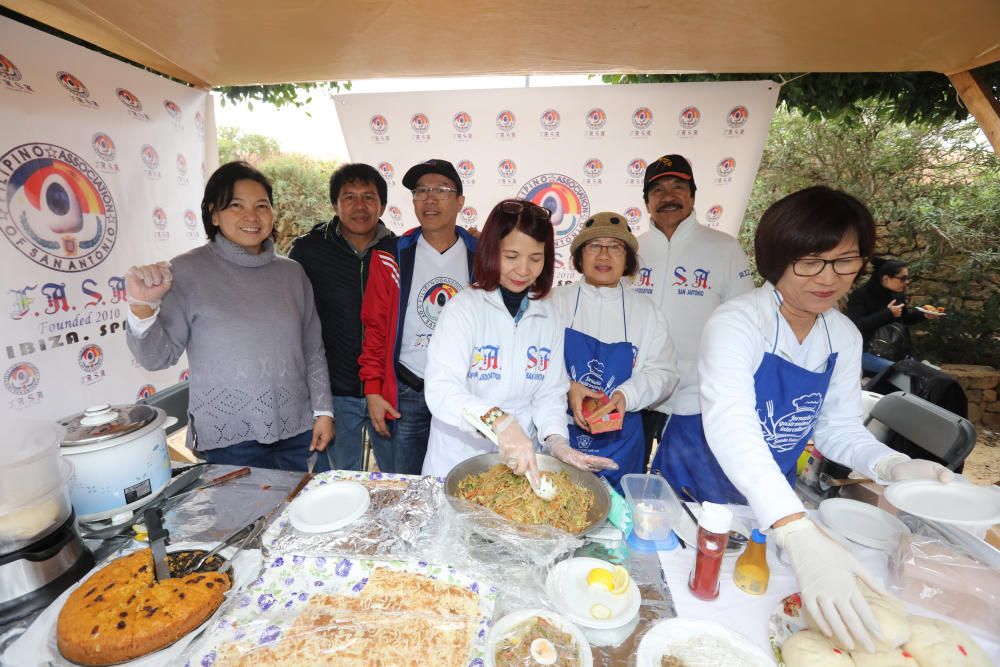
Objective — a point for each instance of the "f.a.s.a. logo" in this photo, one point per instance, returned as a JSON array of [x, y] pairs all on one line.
[[90, 358], [387, 170], [565, 198], [10, 77], [21, 379], [131, 103], [56, 209], [76, 89]]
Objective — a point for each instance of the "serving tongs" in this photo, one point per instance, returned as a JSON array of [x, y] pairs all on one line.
[[544, 489], [241, 536]]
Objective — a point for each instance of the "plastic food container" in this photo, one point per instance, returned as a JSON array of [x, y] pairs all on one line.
[[655, 508]]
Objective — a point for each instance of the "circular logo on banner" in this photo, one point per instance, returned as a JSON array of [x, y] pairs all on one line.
[[633, 216], [103, 146], [395, 214], [190, 219], [128, 99], [199, 122], [637, 167], [432, 298], [466, 169], [737, 117], [726, 166], [149, 157], [596, 118], [593, 167], [507, 168], [72, 84], [8, 70], [469, 215], [642, 118], [184, 376], [549, 119], [145, 391], [420, 123], [506, 120], [159, 218], [378, 124], [59, 211], [90, 358], [22, 378], [182, 165], [564, 197], [689, 117], [714, 214], [173, 110], [462, 121], [385, 168]]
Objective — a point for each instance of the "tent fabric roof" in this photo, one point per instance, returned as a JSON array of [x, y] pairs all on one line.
[[241, 42]]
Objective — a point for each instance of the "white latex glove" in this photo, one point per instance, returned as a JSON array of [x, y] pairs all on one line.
[[516, 448], [826, 574], [896, 471], [560, 448], [145, 285]]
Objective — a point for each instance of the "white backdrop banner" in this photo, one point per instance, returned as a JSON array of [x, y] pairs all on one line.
[[575, 150], [102, 166]]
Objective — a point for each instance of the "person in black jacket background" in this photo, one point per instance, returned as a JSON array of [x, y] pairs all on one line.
[[336, 257], [880, 302]]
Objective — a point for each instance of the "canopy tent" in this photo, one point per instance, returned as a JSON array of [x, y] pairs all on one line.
[[239, 42]]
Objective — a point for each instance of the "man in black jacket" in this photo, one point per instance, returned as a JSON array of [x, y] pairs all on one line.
[[336, 256]]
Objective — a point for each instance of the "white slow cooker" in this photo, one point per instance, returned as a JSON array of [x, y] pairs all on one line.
[[120, 457]]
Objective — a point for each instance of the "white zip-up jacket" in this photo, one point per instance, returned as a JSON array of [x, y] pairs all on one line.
[[688, 276], [480, 358], [601, 315], [732, 348]]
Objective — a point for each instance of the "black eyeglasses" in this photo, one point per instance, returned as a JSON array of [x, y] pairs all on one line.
[[904, 279], [440, 192], [813, 266], [518, 206]]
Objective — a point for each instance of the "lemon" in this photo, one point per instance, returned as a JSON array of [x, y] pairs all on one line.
[[621, 580], [599, 611], [600, 577]]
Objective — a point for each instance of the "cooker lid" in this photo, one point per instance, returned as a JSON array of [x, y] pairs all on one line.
[[105, 422]]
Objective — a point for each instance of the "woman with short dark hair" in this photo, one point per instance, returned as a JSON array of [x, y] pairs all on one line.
[[497, 351], [260, 390], [780, 365]]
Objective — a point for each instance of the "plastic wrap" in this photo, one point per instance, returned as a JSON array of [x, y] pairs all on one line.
[[352, 611], [944, 578]]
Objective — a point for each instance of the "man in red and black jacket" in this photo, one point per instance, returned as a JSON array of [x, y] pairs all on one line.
[[337, 255], [408, 285]]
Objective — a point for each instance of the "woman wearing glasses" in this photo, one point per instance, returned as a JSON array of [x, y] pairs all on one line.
[[496, 356], [781, 364], [881, 302], [616, 345]]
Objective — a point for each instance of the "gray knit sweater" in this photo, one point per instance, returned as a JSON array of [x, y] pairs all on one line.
[[255, 350]]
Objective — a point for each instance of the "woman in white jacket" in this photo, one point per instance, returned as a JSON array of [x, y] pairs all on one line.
[[497, 351], [617, 345], [781, 364]]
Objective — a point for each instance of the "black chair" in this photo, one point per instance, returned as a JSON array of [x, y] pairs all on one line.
[[174, 401], [942, 436]]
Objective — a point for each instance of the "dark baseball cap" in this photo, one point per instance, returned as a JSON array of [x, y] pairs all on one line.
[[668, 165], [432, 166]]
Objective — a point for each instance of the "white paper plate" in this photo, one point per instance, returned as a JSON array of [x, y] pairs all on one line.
[[328, 507], [860, 522], [687, 530], [674, 631], [512, 620], [567, 587], [960, 503], [930, 312]]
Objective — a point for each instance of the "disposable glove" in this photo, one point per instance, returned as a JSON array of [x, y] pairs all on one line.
[[898, 469], [145, 285], [516, 448], [826, 574], [559, 447]]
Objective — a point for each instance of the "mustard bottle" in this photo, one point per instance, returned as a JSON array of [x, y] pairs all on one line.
[[752, 573]]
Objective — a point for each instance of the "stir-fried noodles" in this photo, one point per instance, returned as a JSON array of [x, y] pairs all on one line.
[[510, 496]]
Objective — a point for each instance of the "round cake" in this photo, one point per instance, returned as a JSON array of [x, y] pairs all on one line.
[[121, 612]]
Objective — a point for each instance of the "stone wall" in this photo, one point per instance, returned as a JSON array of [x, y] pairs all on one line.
[[980, 384]]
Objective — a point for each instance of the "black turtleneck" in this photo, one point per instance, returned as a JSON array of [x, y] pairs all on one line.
[[512, 299], [868, 308]]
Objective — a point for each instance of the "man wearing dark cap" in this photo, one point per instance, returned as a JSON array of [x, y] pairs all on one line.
[[408, 286], [688, 269]]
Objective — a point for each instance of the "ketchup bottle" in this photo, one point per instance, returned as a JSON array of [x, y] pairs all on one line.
[[713, 534]]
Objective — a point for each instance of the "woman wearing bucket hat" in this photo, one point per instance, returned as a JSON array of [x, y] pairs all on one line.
[[617, 347]]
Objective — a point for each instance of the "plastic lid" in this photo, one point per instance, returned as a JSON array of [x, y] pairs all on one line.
[[758, 536], [105, 422], [715, 518], [25, 440]]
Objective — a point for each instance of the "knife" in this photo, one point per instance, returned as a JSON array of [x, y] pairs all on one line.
[[158, 540], [173, 500], [310, 464]]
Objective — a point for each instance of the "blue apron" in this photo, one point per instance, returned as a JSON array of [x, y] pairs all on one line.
[[789, 399], [604, 367]]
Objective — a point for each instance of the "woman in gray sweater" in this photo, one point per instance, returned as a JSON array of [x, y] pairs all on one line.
[[260, 389]]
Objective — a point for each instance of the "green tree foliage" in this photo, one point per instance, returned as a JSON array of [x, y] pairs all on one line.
[[935, 193], [279, 94], [903, 96], [234, 144]]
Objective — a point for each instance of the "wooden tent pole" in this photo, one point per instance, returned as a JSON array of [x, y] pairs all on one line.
[[980, 103]]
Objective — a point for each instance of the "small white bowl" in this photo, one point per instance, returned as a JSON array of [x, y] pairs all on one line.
[[512, 620]]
